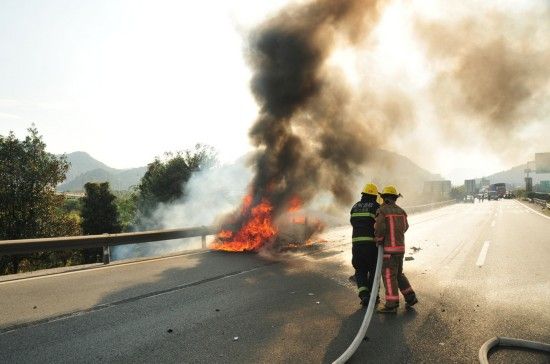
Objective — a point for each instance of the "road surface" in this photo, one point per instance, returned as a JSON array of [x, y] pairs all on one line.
[[481, 271]]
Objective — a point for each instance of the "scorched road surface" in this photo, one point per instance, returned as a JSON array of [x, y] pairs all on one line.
[[481, 270]]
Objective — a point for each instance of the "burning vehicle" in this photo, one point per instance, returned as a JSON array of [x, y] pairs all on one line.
[[259, 228], [310, 134]]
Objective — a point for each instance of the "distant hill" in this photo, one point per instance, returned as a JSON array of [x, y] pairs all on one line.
[[383, 167], [82, 162], [84, 168]]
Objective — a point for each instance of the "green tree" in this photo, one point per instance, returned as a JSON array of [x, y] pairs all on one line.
[[165, 180], [126, 203], [99, 212], [29, 206], [71, 205], [99, 215]]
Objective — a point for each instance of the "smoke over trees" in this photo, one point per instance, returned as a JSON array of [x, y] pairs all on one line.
[[165, 180]]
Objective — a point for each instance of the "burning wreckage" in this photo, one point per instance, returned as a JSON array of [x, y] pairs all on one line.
[[310, 135], [260, 229]]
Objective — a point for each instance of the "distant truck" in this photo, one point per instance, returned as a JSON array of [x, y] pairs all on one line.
[[496, 191], [470, 186]]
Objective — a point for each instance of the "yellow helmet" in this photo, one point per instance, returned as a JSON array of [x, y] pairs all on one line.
[[390, 190], [370, 189]]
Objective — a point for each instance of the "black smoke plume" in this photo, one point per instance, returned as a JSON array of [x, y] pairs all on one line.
[[308, 136]]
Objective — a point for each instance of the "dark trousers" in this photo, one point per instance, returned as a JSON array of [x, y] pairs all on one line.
[[364, 261], [394, 279]]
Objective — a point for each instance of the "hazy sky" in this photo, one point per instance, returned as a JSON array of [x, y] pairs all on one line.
[[129, 80]]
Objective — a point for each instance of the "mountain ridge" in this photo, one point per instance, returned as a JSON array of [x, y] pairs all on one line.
[[84, 168]]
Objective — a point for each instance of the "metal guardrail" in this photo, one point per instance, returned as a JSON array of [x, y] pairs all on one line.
[[428, 206], [105, 241], [22, 246]]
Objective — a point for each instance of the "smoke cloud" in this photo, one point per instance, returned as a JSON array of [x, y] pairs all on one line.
[[310, 134], [210, 193], [486, 70], [491, 70]]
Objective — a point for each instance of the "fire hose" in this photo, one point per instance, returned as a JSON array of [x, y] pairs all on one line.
[[483, 351], [506, 341], [368, 315]]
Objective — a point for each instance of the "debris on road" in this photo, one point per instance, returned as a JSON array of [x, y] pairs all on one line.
[[235, 338], [311, 294], [317, 302], [415, 249], [169, 331], [409, 258], [34, 308]]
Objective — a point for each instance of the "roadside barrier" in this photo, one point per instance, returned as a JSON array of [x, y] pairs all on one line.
[[429, 206], [105, 241]]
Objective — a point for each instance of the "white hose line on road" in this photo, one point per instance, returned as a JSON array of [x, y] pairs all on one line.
[[368, 315], [506, 341]]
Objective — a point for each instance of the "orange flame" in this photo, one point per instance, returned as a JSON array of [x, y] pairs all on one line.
[[256, 232], [294, 204]]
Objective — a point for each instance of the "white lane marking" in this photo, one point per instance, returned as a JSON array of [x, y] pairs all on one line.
[[493, 223], [483, 254], [532, 210]]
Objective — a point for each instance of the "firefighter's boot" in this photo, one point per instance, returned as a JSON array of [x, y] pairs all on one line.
[[411, 301], [364, 296], [386, 309]]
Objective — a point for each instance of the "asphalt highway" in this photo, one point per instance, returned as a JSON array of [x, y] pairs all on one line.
[[480, 270]]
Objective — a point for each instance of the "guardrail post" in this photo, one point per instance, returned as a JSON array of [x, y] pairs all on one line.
[[203, 237], [106, 254]]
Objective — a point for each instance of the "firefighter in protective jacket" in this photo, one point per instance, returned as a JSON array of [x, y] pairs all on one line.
[[390, 227], [364, 248]]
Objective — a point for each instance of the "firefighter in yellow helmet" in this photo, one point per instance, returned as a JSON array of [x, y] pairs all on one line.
[[390, 227], [364, 249]]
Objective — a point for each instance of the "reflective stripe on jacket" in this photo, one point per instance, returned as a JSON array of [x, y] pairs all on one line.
[[390, 227], [363, 214]]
